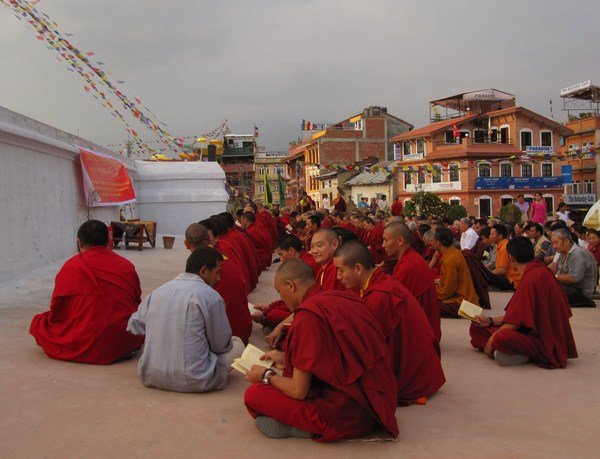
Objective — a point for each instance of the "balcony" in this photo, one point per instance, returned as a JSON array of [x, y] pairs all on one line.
[[468, 147]]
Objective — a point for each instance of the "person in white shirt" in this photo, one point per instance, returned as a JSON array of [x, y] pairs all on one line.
[[469, 236], [326, 202], [562, 213], [383, 202], [188, 345]]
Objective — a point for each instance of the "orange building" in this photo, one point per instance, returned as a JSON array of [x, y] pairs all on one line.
[[365, 135], [482, 154], [581, 148]]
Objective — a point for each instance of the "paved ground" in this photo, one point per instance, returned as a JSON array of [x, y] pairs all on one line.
[[56, 409]]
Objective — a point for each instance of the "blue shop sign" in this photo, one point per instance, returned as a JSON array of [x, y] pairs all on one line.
[[517, 183]]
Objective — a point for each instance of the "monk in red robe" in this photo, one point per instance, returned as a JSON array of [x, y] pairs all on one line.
[[261, 238], [413, 347], [239, 236], [270, 315], [413, 272], [337, 381], [235, 298], [536, 325], [324, 244], [94, 295], [375, 240]]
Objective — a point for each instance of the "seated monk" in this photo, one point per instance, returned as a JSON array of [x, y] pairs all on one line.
[[375, 240], [261, 238], [412, 345], [244, 246], [456, 284], [535, 326], [94, 295], [324, 244], [337, 381], [413, 272], [188, 347], [271, 315], [236, 298]]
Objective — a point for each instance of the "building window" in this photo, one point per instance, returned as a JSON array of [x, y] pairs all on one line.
[[546, 139], [506, 170], [526, 170], [420, 147], [454, 201], [261, 188], [454, 173], [526, 139], [485, 170], [588, 186], [504, 134], [546, 169], [406, 148], [275, 188], [260, 170], [575, 187], [549, 202], [485, 206], [436, 175], [449, 137], [494, 135], [407, 178], [478, 136], [505, 200], [421, 176]]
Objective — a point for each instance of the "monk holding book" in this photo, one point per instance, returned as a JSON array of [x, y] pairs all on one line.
[[411, 343], [536, 325], [337, 382]]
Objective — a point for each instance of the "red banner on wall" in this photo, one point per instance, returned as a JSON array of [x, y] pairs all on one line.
[[105, 180]]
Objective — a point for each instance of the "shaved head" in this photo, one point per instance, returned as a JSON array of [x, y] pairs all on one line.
[[399, 229], [329, 234], [355, 252], [196, 235], [297, 271]]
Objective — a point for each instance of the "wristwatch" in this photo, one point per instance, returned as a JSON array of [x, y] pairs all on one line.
[[267, 375]]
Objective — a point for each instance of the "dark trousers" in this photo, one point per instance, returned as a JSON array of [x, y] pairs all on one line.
[[500, 281], [577, 298]]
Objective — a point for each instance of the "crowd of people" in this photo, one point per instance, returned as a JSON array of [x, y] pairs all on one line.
[[357, 330]]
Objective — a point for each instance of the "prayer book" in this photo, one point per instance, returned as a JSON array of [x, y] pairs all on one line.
[[250, 356], [469, 310]]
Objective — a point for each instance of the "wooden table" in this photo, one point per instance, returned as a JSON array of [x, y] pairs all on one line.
[[137, 231]]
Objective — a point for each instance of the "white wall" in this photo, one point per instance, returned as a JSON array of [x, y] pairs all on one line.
[[41, 195], [371, 191]]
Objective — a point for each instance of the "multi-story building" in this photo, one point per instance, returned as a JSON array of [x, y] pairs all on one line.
[[482, 153], [364, 135], [237, 161], [268, 164], [582, 104]]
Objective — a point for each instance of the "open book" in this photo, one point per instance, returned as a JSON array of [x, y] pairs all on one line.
[[469, 310], [251, 356]]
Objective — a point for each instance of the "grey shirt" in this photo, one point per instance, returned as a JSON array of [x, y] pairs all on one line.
[[579, 264], [187, 333]]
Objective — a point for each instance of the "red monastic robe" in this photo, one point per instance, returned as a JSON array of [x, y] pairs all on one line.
[[327, 277], [236, 300], [263, 243], [336, 339], [249, 253], [375, 244], [414, 273], [230, 251], [94, 295], [411, 342], [265, 219], [540, 310]]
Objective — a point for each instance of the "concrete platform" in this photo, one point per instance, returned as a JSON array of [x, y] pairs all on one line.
[[57, 409]]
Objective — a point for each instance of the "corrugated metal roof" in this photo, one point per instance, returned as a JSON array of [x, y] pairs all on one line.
[[372, 178]]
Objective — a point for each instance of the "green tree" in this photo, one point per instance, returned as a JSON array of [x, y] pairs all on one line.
[[510, 214], [426, 204], [456, 212]]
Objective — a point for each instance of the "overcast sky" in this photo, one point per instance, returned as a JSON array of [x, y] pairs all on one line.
[[274, 62]]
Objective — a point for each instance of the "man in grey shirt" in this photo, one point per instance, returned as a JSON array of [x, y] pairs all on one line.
[[188, 345], [575, 270]]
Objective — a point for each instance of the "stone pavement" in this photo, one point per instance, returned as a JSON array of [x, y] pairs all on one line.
[[58, 409]]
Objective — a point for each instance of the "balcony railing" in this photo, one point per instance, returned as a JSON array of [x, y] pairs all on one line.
[[474, 142]]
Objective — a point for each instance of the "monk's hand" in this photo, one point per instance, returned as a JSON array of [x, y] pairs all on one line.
[[488, 346], [261, 307], [255, 374], [482, 321], [274, 337], [278, 357]]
